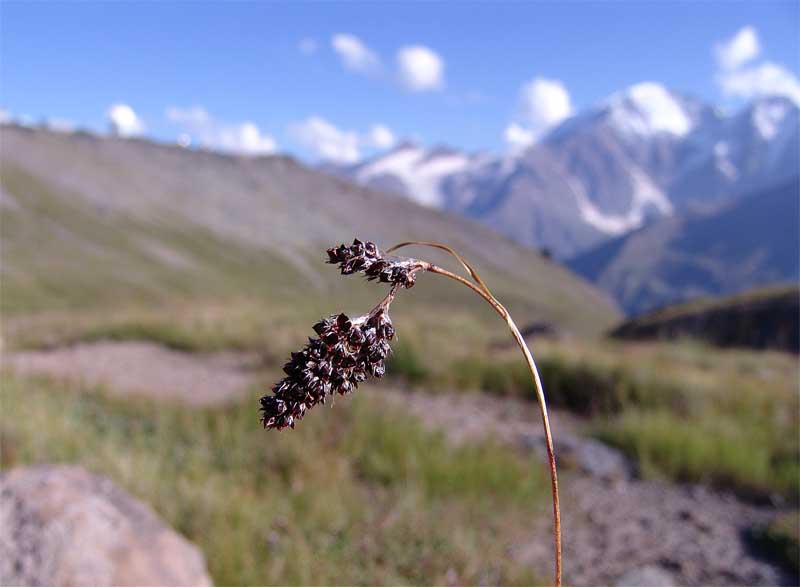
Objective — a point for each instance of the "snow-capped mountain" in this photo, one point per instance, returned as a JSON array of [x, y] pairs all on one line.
[[414, 171], [640, 154]]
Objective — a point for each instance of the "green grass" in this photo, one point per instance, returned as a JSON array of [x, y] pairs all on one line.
[[707, 449], [581, 387], [683, 412], [407, 363], [355, 495]]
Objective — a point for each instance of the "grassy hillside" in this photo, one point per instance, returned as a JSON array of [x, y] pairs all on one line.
[[92, 223], [121, 239], [365, 498], [760, 318]]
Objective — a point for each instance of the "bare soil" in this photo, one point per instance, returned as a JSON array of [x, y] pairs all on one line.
[[143, 368]]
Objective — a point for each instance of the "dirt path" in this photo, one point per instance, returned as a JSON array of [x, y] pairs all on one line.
[[143, 368], [617, 530]]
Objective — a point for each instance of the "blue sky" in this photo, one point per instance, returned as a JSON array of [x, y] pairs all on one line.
[[202, 70]]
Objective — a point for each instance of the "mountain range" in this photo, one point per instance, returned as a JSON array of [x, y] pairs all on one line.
[[642, 154], [623, 191], [751, 240]]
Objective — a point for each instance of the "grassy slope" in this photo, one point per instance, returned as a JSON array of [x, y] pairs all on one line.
[[84, 259], [364, 496], [91, 223], [761, 318]]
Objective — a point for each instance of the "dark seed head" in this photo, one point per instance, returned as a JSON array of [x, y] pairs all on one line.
[[345, 354], [366, 257]]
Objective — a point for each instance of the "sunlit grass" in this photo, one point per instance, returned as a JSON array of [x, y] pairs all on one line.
[[710, 449], [355, 495]]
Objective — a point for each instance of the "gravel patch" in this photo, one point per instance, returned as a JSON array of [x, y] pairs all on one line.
[[143, 368]]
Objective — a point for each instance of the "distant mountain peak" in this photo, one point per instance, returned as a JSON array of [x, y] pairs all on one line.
[[415, 171], [648, 108], [643, 153], [768, 115]]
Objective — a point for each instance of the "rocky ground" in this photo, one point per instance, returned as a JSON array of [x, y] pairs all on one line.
[[617, 529]]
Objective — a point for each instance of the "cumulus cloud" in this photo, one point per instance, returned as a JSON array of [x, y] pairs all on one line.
[[517, 137], [330, 143], [543, 103], [325, 140], [198, 125], [739, 49], [420, 69], [123, 121], [739, 77], [380, 137], [5, 116], [355, 55], [307, 46], [765, 79]]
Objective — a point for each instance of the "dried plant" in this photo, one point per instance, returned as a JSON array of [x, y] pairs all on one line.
[[348, 350]]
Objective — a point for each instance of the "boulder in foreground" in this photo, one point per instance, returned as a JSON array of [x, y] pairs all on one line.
[[61, 525]]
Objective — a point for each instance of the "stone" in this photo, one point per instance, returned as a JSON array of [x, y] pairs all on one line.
[[647, 576], [603, 462], [590, 457], [61, 525]]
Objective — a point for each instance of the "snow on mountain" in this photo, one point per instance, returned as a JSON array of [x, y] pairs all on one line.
[[768, 117], [647, 201], [418, 172], [647, 109], [641, 154]]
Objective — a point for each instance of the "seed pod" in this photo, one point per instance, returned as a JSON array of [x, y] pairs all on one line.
[[367, 258], [345, 353]]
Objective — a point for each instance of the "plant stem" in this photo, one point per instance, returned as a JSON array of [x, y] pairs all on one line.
[[500, 309]]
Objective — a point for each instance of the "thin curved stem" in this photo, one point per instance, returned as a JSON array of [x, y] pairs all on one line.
[[501, 310], [470, 269]]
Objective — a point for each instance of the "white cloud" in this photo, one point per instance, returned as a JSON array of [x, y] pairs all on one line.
[[244, 138], [123, 121], [325, 140], [380, 137], [420, 68], [517, 137], [307, 46], [5, 116], [765, 79], [543, 103], [738, 50], [328, 142], [355, 55], [738, 77]]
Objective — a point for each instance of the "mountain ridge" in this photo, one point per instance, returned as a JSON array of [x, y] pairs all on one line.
[[643, 153], [749, 241]]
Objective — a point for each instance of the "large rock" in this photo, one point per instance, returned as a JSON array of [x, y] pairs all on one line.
[[60, 525]]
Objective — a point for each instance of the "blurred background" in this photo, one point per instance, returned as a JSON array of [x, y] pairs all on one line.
[[623, 175]]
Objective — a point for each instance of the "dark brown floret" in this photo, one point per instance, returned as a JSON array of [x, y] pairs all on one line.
[[366, 257], [343, 355]]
